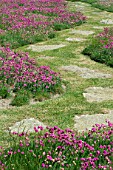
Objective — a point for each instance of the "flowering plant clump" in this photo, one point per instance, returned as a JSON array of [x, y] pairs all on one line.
[[27, 21], [18, 71], [60, 149], [101, 48], [106, 38]]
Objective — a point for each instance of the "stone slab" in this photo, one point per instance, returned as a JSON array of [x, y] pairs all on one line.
[[26, 125], [45, 57], [5, 103], [84, 122], [107, 21], [86, 72], [82, 32], [40, 48], [97, 13], [98, 94], [98, 27], [82, 4], [75, 39]]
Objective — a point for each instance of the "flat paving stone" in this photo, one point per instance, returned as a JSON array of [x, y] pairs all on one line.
[[79, 4], [5, 103], [84, 122], [82, 32], [26, 125], [97, 13], [98, 27], [82, 4], [107, 21], [98, 94], [40, 48], [86, 72], [75, 39]]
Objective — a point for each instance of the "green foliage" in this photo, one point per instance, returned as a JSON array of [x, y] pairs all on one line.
[[104, 56], [99, 54], [59, 26], [101, 48], [88, 1], [51, 35], [16, 40], [41, 95], [58, 90], [4, 93], [21, 98], [60, 149]]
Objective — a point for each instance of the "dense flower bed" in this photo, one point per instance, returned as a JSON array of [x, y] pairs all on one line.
[[18, 71], [61, 149], [27, 21], [101, 47]]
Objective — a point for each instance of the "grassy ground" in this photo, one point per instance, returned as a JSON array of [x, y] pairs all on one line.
[[103, 5], [61, 111]]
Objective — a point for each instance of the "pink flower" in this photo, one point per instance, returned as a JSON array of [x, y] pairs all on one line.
[[43, 165], [22, 153]]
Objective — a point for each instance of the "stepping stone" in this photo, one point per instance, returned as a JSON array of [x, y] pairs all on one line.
[[96, 13], [75, 39], [84, 122], [26, 125], [98, 27], [40, 48], [86, 72], [5, 103], [107, 21], [81, 32], [98, 94], [79, 7]]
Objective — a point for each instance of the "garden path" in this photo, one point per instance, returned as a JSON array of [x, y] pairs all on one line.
[[92, 94], [84, 74]]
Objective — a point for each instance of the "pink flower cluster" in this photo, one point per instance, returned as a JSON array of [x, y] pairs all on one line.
[[61, 149], [25, 13], [35, 17], [18, 70], [106, 38]]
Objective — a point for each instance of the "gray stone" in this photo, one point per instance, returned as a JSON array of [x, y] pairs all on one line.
[[5, 103], [78, 5], [82, 4], [107, 21], [98, 27], [26, 125], [98, 94], [97, 13], [72, 4], [40, 48], [84, 122], [82, 32], [75, 39], [86, 72]]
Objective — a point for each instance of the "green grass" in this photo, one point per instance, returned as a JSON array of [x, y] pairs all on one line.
[[97, 4], [61, 111]]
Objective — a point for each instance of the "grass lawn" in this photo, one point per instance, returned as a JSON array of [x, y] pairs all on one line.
[[103, 5]]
